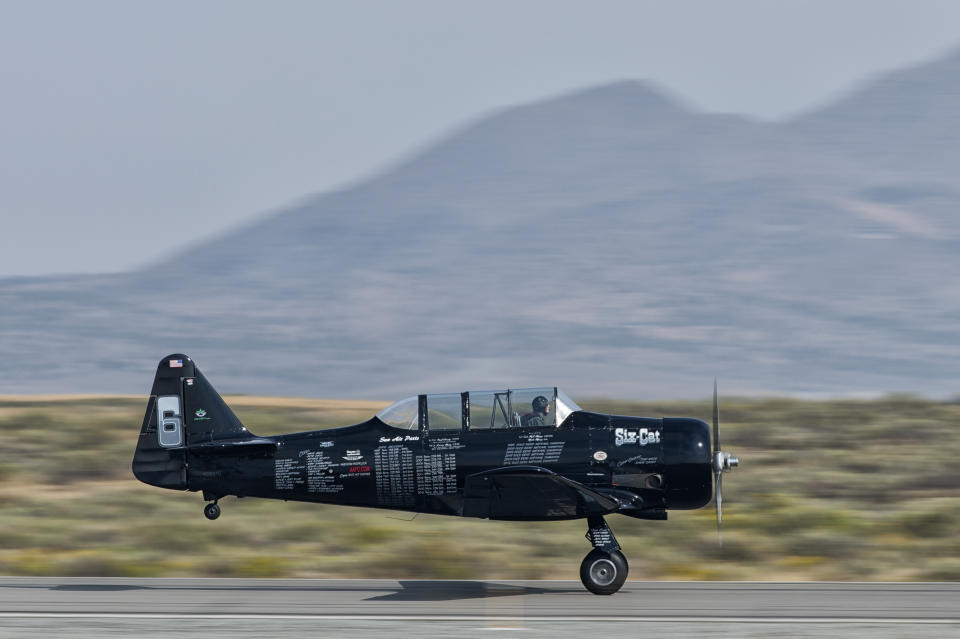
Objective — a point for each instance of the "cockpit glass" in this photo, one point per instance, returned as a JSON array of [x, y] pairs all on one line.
[[402, 414], [516, 408], [533, 407], [488, 409], [444, 411], [511, 408]]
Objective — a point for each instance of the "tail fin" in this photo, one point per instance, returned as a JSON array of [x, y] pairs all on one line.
[[183, 409]]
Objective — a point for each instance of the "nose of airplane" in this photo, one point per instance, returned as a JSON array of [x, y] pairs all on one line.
[[686, 454]]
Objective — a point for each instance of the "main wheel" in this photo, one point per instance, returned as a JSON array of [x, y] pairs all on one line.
[[211, 511], [603, 573]]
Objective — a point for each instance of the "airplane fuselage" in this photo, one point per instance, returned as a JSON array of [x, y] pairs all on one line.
[[648, 465]]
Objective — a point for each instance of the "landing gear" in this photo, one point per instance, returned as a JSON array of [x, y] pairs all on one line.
[[603, 573], [604, 569], [211, 511]]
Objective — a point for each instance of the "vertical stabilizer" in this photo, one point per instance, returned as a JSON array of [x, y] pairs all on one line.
[[183, 409]]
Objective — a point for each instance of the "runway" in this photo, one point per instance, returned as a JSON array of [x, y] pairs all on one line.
[[85, 607]]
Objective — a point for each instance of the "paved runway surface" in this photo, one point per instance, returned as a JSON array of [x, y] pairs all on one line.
[[84, 607]]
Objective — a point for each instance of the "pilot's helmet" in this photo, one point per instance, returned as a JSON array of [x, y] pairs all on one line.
[[540, 404]]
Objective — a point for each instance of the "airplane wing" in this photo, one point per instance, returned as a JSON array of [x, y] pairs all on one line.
[[531, 492]]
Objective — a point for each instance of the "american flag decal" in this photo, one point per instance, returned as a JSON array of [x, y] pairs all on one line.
[[176, 363]]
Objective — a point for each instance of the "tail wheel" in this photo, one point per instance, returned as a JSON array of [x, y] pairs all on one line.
[[603, 573], [211, 511]]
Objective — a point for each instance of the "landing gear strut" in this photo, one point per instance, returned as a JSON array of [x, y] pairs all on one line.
[[604, 569], [211, 511]]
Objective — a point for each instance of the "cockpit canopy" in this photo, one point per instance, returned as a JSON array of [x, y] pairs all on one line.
[[481, 410]]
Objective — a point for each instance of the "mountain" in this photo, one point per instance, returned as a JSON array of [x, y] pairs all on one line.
[[905, 122], [611, 241]]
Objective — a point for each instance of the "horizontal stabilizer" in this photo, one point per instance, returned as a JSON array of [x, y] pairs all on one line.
[[226, 446]]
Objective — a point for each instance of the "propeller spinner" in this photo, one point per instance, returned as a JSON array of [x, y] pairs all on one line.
[[721, 461]]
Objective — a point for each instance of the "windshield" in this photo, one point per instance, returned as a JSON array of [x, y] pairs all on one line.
[[565, 406]]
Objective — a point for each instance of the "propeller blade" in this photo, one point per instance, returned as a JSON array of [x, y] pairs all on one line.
[[716, 418], [719, 502]]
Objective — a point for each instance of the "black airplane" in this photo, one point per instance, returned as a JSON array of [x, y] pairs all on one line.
[[521, 454]]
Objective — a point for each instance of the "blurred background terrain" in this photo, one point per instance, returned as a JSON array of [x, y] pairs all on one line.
[[631, 245], [828, 490]]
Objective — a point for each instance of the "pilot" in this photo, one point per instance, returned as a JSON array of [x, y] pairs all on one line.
[[541, 408]]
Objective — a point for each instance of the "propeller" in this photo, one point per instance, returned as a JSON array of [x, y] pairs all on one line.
[[721, 461]]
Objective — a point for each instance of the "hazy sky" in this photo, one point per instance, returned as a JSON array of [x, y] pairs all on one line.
[[127, 127]]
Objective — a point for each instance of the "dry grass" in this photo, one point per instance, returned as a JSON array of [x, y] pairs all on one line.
[[847, 489]]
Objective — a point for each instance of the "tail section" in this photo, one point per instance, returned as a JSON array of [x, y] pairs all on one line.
[[183, 410]]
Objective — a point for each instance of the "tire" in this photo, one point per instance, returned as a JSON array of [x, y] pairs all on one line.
[[211, 511], [603, 573]]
